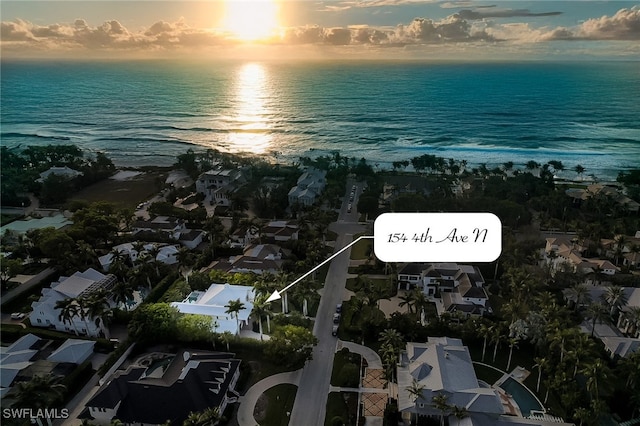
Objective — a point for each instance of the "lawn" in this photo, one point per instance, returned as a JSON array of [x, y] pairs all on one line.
[[342, 405], [126, 193], [280, 400], [342, 359], [362, 249], [250, 352]]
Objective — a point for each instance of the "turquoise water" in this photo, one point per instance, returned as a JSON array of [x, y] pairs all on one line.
[[147, 112], [525, 400]]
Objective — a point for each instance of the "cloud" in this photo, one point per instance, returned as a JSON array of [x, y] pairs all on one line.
[[624, 25], [345, 5], [492, 12], [21, 36]]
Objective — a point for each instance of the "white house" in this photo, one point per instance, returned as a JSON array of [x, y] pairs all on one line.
[[166, 254], [64, 172], [217, 185], [78, 285], [309, 186], [442, 366], [212, 303]]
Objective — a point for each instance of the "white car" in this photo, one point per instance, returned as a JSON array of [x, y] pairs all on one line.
[[17, 316]]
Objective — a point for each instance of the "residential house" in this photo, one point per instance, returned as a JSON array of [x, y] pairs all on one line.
[[563, 252], [218, 185], [191, 238], [212, 303], [256, 258], [161, 387], [619, 339], [309, 186], [30, 355], [166, 226], [64, 172], [281, 230], [167, 254], [461, 287], [579, 195], [443, 366], [80, 284], [75, 351]]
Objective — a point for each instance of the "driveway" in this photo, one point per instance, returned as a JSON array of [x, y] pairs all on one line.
[[248, 401], [373, 359]]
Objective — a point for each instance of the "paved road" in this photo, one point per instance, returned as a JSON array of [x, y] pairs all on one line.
[[309, 408], [248, 401], [27, 285]]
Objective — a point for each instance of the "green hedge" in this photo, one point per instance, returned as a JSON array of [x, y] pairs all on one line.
[[159, 290]]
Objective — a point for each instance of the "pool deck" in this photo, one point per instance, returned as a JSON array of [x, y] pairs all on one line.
[[519, 374]]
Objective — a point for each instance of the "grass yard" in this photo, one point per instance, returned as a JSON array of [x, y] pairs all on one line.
[[341, 359], [126, 193], [280, 400], [361, 249], [342, 405]]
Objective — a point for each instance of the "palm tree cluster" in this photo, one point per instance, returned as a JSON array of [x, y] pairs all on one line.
[[93, 307]]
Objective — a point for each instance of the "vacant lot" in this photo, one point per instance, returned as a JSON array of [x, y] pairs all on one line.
[[125, 193]]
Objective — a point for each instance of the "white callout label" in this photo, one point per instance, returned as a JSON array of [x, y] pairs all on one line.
[[437, 237]]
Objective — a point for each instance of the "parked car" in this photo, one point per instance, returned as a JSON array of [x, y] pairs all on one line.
[[339, 308], [17, 316], [334, 330], [336, 318]]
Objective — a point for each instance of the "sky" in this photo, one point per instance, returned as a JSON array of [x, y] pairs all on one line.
[[342, 29]]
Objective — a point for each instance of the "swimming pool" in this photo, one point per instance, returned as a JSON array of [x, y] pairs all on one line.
[[523, 397]]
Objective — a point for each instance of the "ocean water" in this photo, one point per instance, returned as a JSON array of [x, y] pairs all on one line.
[[147, 112]]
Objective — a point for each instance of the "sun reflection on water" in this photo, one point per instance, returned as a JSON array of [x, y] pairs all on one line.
[[251, 132]]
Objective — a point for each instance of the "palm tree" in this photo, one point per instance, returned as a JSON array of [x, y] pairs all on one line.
[[513, 341], [68, 311], [226, 338], [582, 414], [615, 298], [233, 308], [485, 331], [596, 373], [416, 389], [122, 292], [496, 338], [459, 412], [260, 309], [40, 392], [420, 302], [97, 307], [581, 346], [597, 312], [541, 363], [409, 300], [440, 403], [393, 338], [579, 295], [579, 169], [632, 320]]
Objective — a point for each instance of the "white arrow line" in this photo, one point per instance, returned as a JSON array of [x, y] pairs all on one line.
[[276, 294]]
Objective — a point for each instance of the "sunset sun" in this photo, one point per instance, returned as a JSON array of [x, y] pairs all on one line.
[[250, 20]]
